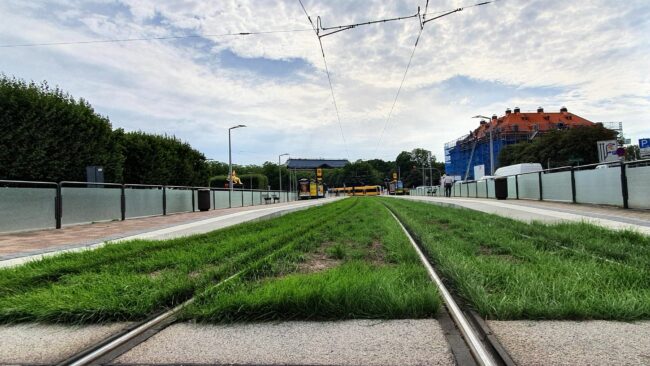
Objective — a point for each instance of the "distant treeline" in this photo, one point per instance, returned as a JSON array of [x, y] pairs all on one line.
[[49, 135]]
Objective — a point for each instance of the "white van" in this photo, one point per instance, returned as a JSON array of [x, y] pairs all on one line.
[[518, 169]]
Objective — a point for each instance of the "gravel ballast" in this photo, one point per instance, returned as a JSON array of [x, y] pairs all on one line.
[[353, 342]]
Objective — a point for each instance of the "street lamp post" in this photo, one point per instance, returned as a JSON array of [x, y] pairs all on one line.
[[280, 169], [491, 146], [230, 165]]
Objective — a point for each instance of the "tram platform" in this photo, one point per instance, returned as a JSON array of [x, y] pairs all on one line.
[[549, 212]]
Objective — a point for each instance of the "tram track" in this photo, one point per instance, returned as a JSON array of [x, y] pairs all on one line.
[[479, 340], [109, 349], [470, 338]]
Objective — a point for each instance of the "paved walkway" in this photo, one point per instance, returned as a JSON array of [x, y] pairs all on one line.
[[16, 248], [528, 210]]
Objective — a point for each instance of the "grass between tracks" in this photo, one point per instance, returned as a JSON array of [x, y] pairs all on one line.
[[360, 266], [129, 281], [508, 269]]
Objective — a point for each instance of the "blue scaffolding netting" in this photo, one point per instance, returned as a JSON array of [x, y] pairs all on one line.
[[459, 152]]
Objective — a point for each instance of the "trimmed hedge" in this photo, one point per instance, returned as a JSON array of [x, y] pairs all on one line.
[[49, 135]]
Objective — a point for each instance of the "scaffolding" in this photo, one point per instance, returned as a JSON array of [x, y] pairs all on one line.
[[463, 154]]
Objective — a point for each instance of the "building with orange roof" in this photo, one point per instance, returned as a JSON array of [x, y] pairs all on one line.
[[473, 149]]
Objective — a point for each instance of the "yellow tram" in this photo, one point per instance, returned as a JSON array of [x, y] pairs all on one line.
[[357, 191]]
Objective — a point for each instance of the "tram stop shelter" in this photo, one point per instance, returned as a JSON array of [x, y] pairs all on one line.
[[314, 165]]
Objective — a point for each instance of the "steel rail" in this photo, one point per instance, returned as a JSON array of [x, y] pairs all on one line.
[[105, 349], [478, 349]]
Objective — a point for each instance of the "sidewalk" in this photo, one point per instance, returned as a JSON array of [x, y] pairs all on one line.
[[545, 211], [16, 248]]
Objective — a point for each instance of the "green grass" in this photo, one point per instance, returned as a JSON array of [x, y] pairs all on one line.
[[372, 272], [508, 269], [132, 280]]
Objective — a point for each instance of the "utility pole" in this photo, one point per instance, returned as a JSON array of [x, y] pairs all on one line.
[[430, 171], [280, 168], [230, 165]]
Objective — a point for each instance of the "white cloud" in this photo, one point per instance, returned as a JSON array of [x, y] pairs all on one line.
[[595, 52]]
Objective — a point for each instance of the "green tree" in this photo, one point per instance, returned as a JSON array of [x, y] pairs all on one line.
[[559, 147], [632, 152], [155, 159], [49, 135], [412, 163]]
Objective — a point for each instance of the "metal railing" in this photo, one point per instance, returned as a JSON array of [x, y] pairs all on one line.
[[30, 205], [622, 184]]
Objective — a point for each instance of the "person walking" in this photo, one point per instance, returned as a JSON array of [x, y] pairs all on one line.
[[448, 181]]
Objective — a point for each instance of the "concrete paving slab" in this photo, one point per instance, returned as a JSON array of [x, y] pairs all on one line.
[[352, 342], [529, 211], [49, 344], [575, 342]]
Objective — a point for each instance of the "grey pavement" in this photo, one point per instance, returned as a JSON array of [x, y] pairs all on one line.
[[595, 343], [351, 342], [49, 344]]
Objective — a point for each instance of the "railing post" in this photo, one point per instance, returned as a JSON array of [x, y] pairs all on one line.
[[164, 200], [517, 185], [242, 198], [487, 189], [573, 185], [193, 208], [123, 202], [58, 207], [624, 186], [476, 190], [541, 191]]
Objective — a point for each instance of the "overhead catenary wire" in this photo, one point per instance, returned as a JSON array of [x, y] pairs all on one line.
[[161, 38], [399, 90], [422, 24], [425, 14], [340, 28], [329, 79]]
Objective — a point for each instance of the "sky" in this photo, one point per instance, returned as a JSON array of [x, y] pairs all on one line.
[[588, 55]]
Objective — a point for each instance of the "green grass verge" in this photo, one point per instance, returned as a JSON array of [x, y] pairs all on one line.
[[129, 281], [361, 266], [132, 280], [508, 269]]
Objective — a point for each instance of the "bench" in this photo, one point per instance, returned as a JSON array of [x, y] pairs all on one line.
[[276, 198], [267, 199]]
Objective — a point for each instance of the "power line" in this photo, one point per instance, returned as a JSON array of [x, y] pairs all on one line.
[[122, 40], [422, 23], [329, 79], [390, 113]]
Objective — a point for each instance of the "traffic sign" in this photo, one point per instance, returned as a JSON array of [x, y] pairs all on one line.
[[644, 146]]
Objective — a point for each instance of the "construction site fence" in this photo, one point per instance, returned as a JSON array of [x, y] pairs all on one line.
[[30, 205], [621, 184]]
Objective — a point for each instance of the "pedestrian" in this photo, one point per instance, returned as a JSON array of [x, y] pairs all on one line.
[[448, 181]]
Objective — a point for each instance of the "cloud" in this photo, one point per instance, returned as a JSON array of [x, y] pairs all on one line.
[[588, 55]]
